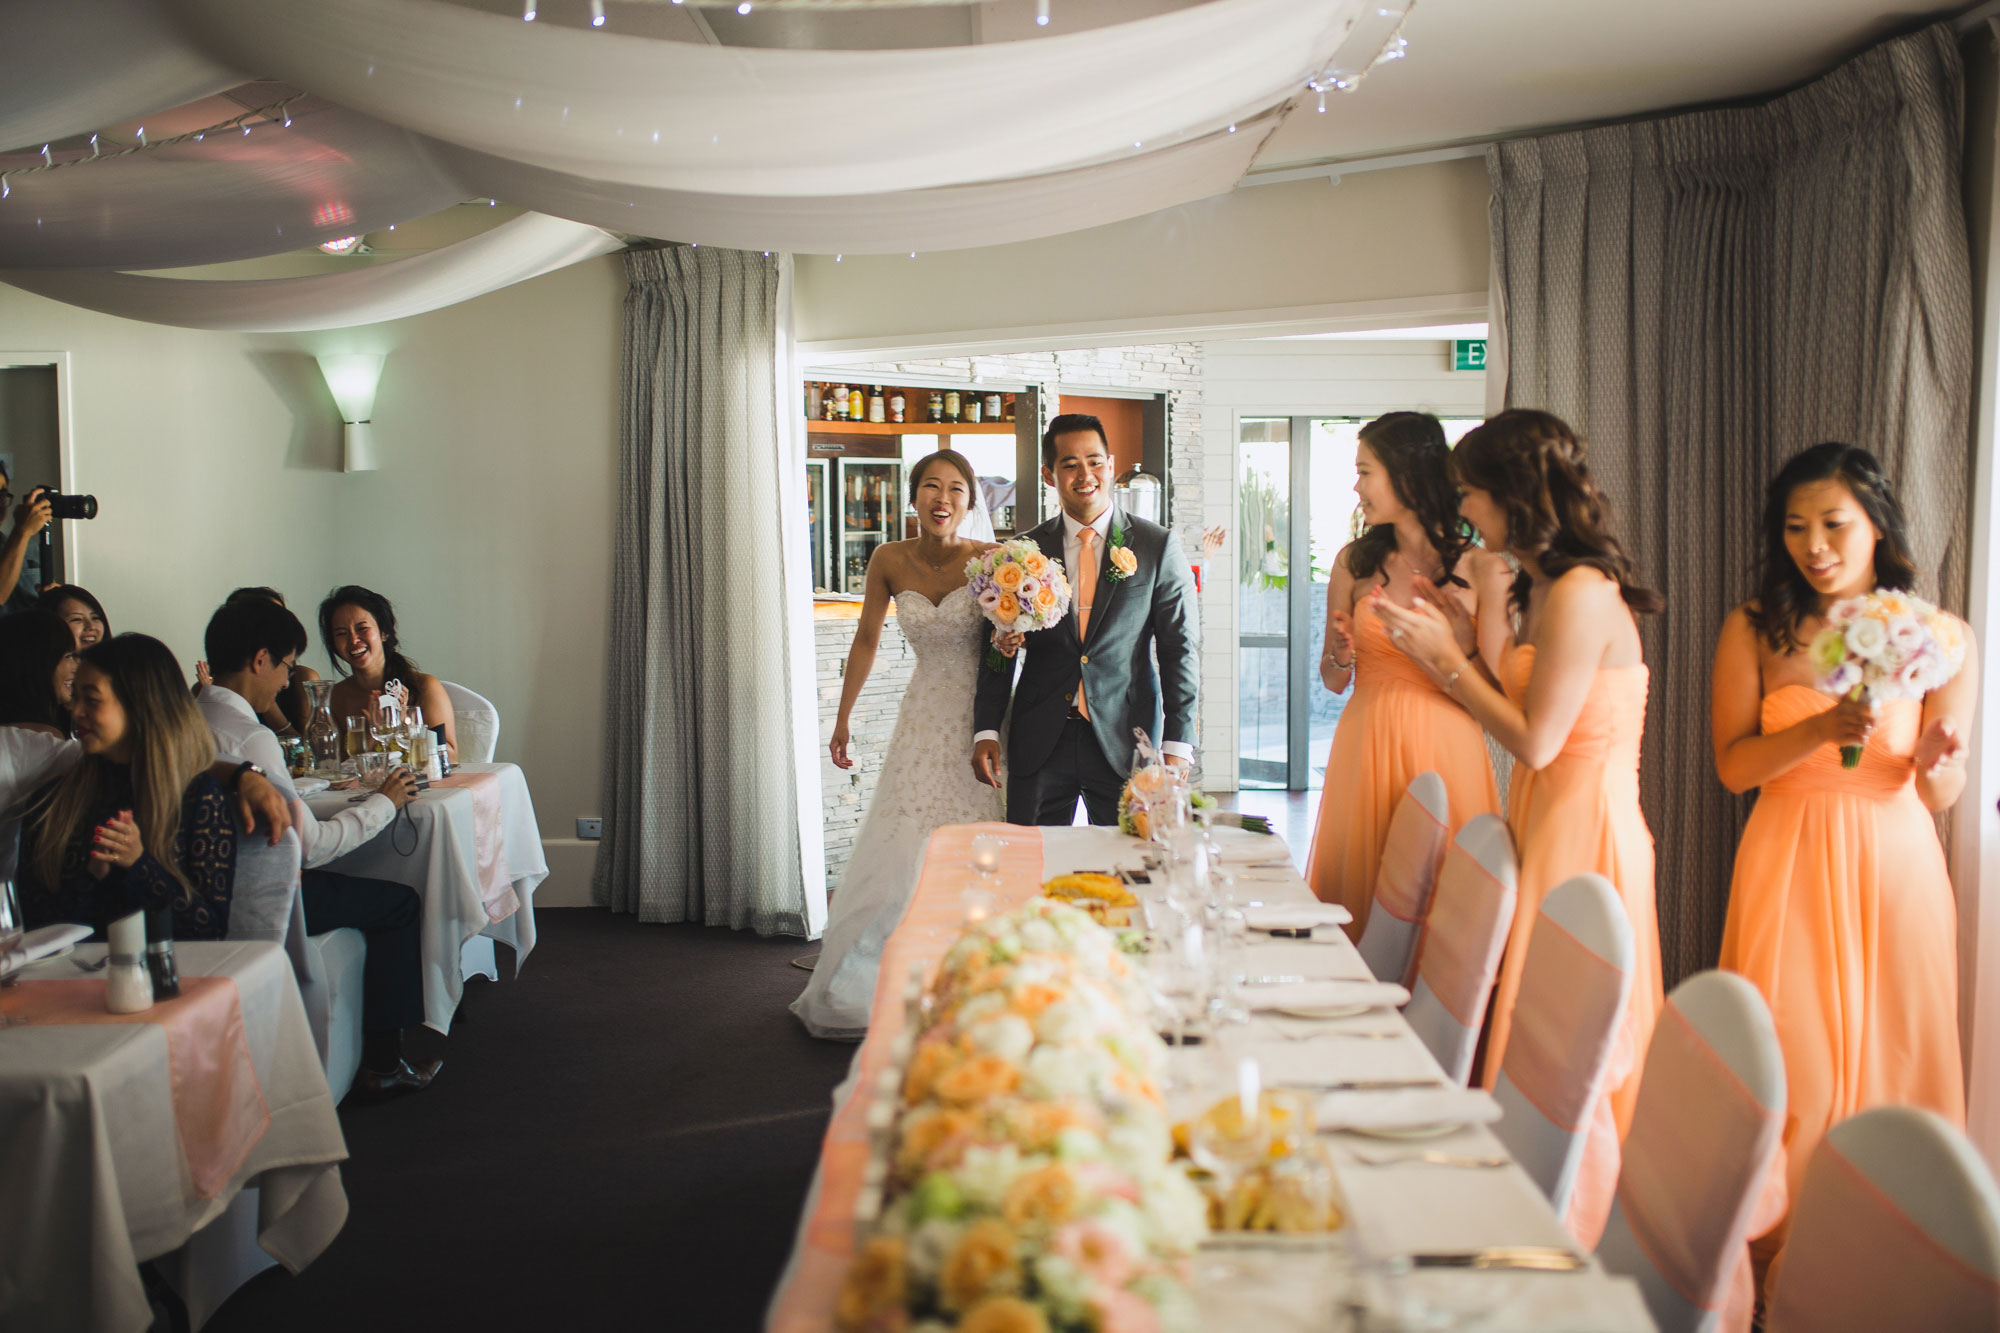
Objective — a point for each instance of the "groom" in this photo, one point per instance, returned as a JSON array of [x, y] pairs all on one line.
[[1086, 683]]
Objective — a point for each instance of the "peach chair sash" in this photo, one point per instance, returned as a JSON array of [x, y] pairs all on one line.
[[1464, 936], [1897, 1226], [1411, 856], [1704, 1136], [1574, 985]]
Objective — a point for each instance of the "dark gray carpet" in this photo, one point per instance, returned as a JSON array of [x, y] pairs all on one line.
[[620, 1138]]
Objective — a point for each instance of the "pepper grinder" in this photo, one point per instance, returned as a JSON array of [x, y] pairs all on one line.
[[128, 986], [160, 953]]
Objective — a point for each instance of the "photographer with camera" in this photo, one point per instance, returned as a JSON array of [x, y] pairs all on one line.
[[20, 558]]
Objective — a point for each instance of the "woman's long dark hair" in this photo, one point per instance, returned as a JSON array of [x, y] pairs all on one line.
[[1411, 448], [33, 643], [53, 598], [395, 666], [1784, 598], [1532, 464]]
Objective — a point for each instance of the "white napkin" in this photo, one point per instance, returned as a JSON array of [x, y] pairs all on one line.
[[1236, 846], [1325, 995], [309, 786], [1296, 916], [40, 943], [1409, 1108]]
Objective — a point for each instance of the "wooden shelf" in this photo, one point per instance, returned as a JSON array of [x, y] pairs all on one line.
[[910, 427]]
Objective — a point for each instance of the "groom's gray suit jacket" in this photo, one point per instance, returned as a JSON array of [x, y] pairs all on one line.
[[1153, 605]]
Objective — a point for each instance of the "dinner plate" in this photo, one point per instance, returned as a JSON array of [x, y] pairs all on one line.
[[1325, 1010], [1407, 1132]]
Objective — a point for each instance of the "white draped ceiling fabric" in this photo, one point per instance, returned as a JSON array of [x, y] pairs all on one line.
[[412, 105]]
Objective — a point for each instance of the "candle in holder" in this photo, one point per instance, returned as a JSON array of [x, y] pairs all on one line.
[[128, 986], [977, 905], [986, 854]]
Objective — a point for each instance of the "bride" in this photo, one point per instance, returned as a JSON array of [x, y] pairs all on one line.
[[925, 780]]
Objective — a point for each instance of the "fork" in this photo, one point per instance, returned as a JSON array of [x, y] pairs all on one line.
[[1356, 1034], [1428, 1158]]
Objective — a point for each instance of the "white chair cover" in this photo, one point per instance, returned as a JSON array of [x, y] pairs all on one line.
[[1896, 1226], [1574, 986], [1411, 857], [265, 887], [1704, 1135], [1463, 939], [477, 723]]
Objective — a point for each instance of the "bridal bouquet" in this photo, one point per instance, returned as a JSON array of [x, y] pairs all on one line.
[[1019, 588], [1882, 647]]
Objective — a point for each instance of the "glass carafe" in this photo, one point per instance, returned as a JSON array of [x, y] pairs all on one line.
[[321, 731]]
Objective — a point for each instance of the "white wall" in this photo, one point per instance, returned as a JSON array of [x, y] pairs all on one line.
[[216, 460], [1295, 377]]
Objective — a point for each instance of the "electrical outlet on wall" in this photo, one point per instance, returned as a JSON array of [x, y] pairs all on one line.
[[589, 829]]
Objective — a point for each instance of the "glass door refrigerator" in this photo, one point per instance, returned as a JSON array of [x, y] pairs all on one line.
[[819, 530], [871, 512]]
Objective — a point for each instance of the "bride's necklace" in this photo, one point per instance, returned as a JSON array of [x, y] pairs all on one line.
[[935, 567]]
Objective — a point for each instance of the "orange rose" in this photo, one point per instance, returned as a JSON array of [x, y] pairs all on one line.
[[925, 1134], [1029, 1000], [977, 1079], [1045, 599], [1123, 560], [876, 1285], [1037, 565], [1008, 577], [931, 1062], [1046, 1197], [1006, 1315], [983, 1264], [1037, 1125], [1009, 609]]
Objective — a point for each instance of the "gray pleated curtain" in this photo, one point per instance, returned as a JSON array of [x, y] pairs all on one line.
[[1703, 295], [701, 813]]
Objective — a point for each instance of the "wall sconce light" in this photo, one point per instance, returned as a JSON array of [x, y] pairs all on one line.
[[352, 379]]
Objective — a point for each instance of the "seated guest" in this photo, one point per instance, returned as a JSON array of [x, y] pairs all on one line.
[[289, 715], [37, 667], [359, 630], [80, 611], [252, 646], [139, 823]]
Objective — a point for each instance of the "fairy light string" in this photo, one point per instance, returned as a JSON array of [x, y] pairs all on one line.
[[279, 112]]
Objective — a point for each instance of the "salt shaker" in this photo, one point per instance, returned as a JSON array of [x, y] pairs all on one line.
[[128, 986]]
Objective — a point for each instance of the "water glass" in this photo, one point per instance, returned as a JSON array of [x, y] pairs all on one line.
[[371, 767], [986, 849]]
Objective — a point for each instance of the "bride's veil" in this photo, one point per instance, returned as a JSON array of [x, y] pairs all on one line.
[[978, 524]]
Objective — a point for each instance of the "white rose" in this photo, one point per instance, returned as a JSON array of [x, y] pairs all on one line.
[[1039, 936], [1867, 639], [1064, 1023], [1007, 1036]]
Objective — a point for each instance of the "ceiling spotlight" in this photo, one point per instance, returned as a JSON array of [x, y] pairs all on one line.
[[93, 145], [345, 245], [1042, 13], [287, 122], [743, 7], [47, 159], [246, 129], [1232, 129], [5, 188], [596, 13], [528, 11], [142, 136]]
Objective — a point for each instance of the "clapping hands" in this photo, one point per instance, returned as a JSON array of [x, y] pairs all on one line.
[[114, 843], [1423, 631], [1939, 748]]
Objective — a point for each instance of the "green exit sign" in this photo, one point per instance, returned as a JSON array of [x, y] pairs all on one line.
[[1468, 353]]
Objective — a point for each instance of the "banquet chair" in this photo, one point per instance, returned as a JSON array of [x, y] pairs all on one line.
[[1411, 857], [1896, 1226], [1704, 1140], [476, 721], [1463, 938], [1574, 985]]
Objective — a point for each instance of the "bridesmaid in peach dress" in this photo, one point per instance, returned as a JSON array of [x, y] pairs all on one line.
[[1399, 723], [1841, 910], [1566, 695]]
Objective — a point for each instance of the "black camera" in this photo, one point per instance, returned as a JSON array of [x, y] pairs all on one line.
[[68, 506]]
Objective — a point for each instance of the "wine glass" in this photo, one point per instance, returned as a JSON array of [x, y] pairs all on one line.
[[1231, 1138], [356, 735]]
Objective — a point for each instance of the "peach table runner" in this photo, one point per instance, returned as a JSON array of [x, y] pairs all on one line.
[[496, 887], [929, 926], [219, 1107]]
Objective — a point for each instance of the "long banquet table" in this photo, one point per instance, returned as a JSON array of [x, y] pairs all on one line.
[[95, 1179], [1391, 1210], [476, 860]]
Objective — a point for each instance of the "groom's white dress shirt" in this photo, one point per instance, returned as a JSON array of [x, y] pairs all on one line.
[[1102, 526], [238, 731]]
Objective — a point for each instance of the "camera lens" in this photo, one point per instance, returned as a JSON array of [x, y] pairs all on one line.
[[72, 506]]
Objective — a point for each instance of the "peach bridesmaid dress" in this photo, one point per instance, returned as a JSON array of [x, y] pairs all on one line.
[[1581, 815], [1841, 912], [1397, 725]]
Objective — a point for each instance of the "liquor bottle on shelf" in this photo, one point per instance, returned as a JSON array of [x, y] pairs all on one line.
[[855, 406], [936, 407], [826, 405], [1008, 407], [840, 403], [992, 407], [812, 400], [896, 404], [951, 405], [877, 407], [970, 412]]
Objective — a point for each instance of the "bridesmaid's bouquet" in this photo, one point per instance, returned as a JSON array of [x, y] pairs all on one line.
[[1019, 588], [1885, 646]]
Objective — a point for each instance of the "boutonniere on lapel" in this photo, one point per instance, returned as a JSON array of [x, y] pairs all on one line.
[[1123, 563]]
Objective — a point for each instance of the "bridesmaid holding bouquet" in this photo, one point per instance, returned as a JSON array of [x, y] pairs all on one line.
[[1399, 723], [1566, 694], [1841, 910]]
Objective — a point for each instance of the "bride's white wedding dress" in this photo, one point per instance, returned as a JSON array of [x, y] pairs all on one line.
[[926, 782]]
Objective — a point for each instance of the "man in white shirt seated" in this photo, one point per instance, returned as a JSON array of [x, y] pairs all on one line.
[[251, 648]]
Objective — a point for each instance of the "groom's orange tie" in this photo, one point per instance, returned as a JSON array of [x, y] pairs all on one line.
[[1086, 591]]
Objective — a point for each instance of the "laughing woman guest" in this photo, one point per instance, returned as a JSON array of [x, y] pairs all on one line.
[[1840, 911], [1566, 694], [139, 823], [359, 630], [1399, 723], [76, 608]]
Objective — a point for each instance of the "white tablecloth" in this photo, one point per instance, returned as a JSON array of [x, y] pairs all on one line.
[[443, 867], [1392, 1210], [92, 1178]]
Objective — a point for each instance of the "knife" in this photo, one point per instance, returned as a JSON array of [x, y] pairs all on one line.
[[1360, 1084], [1534, 1258]]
